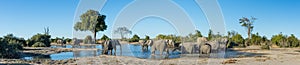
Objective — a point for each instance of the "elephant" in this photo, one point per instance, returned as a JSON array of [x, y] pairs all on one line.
[[145, 44], [205, 48], [62, 42], [76, 42], [218, 44], [193, 47], [161, 46], [188, 47], [110, 45]]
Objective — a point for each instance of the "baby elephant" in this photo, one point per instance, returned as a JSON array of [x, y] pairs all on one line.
[[205, 48], [110, 45]]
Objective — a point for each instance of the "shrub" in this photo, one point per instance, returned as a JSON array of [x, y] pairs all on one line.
[[10, 46], [104, 37], [267, 47], [135, 38], [88, 39], [39, 44], [44, 38]]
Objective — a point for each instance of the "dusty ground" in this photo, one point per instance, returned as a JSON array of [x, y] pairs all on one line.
[[245, 56]]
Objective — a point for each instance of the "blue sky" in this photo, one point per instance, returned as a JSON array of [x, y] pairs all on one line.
[[25, 18]]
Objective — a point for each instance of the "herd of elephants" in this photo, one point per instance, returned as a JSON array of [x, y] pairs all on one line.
[[201, 46]]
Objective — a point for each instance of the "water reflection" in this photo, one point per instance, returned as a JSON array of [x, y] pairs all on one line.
[[127, 50]]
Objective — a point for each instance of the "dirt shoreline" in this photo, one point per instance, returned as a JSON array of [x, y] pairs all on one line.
[[245, 56]]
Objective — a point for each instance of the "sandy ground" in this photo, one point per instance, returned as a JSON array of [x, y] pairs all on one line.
[[245, 56]]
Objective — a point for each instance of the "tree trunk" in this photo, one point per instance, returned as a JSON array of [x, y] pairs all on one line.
[[94, 37], [122, 36], [248, 41]]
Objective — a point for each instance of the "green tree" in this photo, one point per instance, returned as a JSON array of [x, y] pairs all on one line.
[[247, 23], [122, 31], [198, 33], [147, 37], [279, 40], [45, 39], [88, 39], [238, 40], [91, 21], [255, 39], [10, 46], [210, 34], [160, 36], [104, 37], [135, 38], [292, 41]]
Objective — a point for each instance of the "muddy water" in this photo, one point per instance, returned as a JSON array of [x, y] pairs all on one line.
[[127, 50]]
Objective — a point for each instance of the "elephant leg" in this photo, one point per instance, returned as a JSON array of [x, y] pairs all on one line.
[[153, 50], [115, 51], [111, 52]]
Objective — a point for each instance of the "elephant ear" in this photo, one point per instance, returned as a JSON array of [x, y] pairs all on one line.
[[150, 42]]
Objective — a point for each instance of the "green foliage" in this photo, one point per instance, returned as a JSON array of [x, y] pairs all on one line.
[[248, 24], [210, 34], [147, 37], [104, 37], [266, 47], [39, 44], [198, 33], [88, 40], [279, 40], [255, 39], [237, 40], [68, 40], [135, 38], [292, 41], [175, 38], [122, 31], [10, 46], [192, 37], [91, 21], [44, 38], [285, 41]]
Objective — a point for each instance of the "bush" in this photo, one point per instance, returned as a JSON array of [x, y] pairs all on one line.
[[44, 38], [88, 40], [104, 37], [39, 44], [135, 38], [267, 47], [10, 46]]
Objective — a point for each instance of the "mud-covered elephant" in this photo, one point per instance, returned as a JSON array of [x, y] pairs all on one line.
[[161, 46], [110, 45]]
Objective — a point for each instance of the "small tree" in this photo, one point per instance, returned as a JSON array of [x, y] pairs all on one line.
[[247, 23], [104, 37], [147, 37], [238, 40], [91, 21], [279, 40], [135, 38], [210, 34], [292, 41], [122, 31], [198, 33], [88, 39]]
